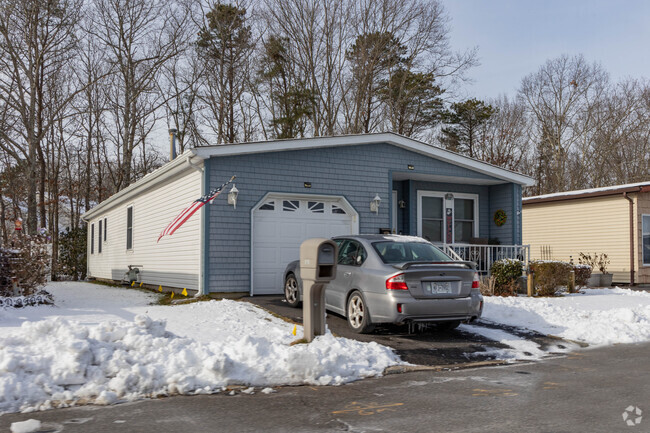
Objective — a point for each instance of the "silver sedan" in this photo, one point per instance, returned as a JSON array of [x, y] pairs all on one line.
[[395, 279]]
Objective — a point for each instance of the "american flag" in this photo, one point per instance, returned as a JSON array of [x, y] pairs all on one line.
[[189, 211]]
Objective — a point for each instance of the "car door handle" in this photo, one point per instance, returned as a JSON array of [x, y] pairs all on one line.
[[347, 274]]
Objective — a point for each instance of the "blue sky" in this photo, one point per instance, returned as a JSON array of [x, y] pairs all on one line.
[[516, 37]]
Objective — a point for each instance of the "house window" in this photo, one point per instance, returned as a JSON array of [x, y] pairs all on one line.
[[105, 227], [92, 239], [99, 238], [646, 240], [129, 228], [463, 220], [432, 219]]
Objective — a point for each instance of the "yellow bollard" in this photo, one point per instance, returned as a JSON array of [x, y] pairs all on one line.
[[530, 285]]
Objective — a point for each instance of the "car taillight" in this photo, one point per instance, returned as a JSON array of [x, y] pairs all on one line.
[[396, 283], [475, 281]]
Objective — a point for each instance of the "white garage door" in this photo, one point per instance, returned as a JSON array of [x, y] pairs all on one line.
[[281, 223]]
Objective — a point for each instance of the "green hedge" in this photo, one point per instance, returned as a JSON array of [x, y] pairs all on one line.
[[549, 275], [505, 273]]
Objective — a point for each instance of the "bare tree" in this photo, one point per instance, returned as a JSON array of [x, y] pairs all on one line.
[[140, 37], [560, 97], [37, 40]]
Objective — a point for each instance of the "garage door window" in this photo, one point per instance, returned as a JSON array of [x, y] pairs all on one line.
[[290, 205], [316, 206], [269, 205], [338, 210]]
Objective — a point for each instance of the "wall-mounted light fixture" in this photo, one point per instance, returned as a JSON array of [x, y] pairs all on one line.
[[401, 204], [232, 196], [449, 196], [410, 167], [374, 204]]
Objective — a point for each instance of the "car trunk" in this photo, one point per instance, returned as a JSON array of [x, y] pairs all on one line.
[[429, 281]]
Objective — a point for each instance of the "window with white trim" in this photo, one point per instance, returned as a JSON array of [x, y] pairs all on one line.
[[290, 205], [99, 238], [432, 219], [129, 228], [645, 241], [464, 219]]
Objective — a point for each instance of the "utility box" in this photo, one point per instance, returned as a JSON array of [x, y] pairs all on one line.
[[318, 258]]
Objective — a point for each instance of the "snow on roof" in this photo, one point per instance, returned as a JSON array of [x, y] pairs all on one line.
[[582, 192]]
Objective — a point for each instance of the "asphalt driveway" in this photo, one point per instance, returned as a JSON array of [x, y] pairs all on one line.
[[426, 347]]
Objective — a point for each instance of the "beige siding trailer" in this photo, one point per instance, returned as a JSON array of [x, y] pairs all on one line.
[[613, 220], [123, 229]]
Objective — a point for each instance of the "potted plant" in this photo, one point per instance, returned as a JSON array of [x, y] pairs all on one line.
[[605, 277], [592, 262]]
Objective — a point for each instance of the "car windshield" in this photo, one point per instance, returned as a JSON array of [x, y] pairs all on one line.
[[400, 252]]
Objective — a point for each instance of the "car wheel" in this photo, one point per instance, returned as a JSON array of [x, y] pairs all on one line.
[[358, 314], [291, 294], [448, 326]]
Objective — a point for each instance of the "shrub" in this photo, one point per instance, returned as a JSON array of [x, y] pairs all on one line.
[[27, 261], [583, 272], [72, 253], [549, 275], [505, 273], [599, 261]]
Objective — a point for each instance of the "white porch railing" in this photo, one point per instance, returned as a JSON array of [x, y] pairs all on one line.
[[485, 255]]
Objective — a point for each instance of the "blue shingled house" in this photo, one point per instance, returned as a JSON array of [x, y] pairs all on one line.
[[291, 190]]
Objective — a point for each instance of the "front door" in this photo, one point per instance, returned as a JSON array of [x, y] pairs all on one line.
[[447, 218]]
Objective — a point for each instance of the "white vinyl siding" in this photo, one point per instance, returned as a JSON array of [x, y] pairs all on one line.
[[175, 260]]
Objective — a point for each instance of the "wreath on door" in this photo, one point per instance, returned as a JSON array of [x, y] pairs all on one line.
[[500, 217]]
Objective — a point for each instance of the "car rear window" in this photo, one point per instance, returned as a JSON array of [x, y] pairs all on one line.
[[400, 252]]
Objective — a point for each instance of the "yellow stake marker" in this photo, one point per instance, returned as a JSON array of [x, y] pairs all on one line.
[[294, 330], [160, 289], [132, 283], [184, 292], [141, 284], [172, 295]]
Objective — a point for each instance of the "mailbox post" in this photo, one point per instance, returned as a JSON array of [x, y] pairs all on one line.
[[317, 268]]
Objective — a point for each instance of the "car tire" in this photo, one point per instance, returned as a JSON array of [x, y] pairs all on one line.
[[357, 314], [291, 291], [447, 326]]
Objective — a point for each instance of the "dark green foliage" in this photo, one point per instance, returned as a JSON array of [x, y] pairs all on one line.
[[72, 253], [582, 272], [549, 275], [413, 101], [293, 101], [464, 121], [505, 273]]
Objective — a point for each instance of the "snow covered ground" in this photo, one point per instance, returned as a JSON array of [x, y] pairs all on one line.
[[103, 345], [594, 316]]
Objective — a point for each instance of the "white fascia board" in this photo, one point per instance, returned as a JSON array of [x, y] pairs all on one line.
[[354, 140], [171, 169]]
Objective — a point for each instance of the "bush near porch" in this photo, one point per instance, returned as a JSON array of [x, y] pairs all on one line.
[[549, 275], [505, 273]]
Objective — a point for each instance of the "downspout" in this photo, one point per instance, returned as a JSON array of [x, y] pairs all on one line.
[[202, 231], [631, 238]]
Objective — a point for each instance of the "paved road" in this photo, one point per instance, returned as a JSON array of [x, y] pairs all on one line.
[[430, 347], [584, 391]]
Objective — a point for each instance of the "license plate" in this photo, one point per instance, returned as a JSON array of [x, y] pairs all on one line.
[[437, 287]]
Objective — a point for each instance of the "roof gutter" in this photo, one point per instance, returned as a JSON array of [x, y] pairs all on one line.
[[164, 172], [631, 237]]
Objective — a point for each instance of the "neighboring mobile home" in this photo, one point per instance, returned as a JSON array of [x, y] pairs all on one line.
[[613, 220], [291, 190]]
